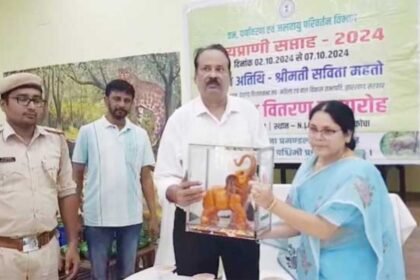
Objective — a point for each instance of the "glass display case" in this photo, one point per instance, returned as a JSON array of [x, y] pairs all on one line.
[[225, 172]]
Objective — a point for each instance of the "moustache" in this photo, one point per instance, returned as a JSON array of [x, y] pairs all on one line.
[[212, 81], [120, 110], [31, 114]]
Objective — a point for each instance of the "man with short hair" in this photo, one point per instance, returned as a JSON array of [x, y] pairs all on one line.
[[119, 159], [35, 182], [213, 118]]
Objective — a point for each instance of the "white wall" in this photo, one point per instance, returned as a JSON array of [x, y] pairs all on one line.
[[45, 32]]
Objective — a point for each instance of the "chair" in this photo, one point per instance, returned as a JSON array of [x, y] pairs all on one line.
[[404, 221]]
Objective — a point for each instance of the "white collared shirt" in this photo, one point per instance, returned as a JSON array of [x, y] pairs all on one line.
[[241, 125]]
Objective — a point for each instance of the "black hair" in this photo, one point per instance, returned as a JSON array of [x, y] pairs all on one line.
[[119, 85], [217, 47], [341, 114]]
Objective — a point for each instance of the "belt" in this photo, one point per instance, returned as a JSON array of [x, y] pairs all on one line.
[[28, 243]]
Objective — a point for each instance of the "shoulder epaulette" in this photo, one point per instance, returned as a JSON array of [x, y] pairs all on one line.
[[53, 130]]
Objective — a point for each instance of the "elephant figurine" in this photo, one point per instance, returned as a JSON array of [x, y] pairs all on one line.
[[233, 196]]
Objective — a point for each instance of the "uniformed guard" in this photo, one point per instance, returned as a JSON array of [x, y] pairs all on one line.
[[35, 182]]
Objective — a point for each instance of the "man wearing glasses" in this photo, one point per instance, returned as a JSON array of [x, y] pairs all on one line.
[[35, 182]]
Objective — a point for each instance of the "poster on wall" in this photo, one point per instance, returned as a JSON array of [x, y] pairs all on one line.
[[288, 55], [74, 92]]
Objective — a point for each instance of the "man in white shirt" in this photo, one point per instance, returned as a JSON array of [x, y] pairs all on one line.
[[212, 118], [119, 159]]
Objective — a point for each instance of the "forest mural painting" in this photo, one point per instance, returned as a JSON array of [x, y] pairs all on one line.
[[74, 92]]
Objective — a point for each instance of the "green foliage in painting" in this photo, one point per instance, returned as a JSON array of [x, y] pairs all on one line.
[[75, 92]]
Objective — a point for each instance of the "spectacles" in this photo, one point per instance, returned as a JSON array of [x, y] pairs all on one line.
[[325, 133], [26, 100]]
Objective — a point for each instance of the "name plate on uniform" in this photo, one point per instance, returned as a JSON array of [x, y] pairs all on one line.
[[7, 159]]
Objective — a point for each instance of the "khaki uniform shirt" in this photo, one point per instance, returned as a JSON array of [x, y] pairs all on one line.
[[32, 178]]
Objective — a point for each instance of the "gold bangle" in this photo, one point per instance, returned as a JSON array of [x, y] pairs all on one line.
[[272, 204]]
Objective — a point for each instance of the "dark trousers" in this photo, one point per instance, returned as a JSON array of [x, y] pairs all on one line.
[[199, 253]]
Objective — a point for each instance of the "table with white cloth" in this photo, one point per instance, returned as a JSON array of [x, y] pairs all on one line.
[[152, 273], [404, 221]]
